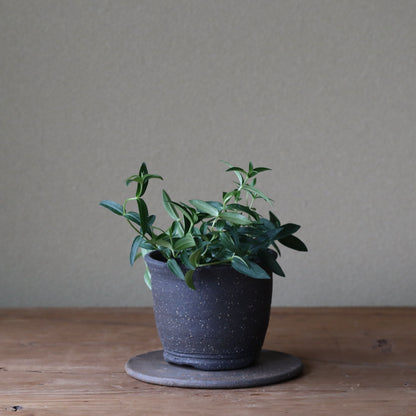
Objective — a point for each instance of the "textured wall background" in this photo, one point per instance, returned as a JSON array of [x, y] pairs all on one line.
[[323, 92]]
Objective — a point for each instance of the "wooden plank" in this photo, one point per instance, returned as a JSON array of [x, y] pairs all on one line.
[[70, 362]]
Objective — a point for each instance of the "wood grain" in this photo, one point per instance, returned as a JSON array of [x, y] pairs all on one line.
[[358, 361]]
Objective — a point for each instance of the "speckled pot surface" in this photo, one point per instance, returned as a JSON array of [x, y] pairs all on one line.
[[219, 326]]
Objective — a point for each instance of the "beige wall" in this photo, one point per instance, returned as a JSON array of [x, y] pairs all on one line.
[[321, 91]]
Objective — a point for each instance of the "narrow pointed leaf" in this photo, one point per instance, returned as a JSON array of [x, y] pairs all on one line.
[[142, 186], [235, 218], [163, 241], [194, 258], [185, 211], [151, 219], [143, 213], [133, 216], [175, 269], [277, 249], [149, 176], [252, 269], [139, 242], [261, 169], [287, 229], [185, 260], [217, 205], [268, 260], [294, 243], [133, 178], [143, 169], [256, 192], [204, 207], [189, 279], [245, 209], [227, 197], [177, 229], [274, 219], [134, 247], [227, 242], [236, 169], [113, 207], [184, 243], [169, 207], [238, 259], [238, 174], [148, 278]]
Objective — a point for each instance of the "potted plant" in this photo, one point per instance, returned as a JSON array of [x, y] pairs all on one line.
[[211, 270]]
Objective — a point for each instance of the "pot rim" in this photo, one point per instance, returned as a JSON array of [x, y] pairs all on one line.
[[161, 262]]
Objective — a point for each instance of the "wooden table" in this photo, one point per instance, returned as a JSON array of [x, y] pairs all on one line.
[[358, 361]]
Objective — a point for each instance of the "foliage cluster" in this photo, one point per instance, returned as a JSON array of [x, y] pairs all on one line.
[[207, 233]]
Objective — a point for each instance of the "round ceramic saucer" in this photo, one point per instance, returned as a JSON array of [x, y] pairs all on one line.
[[271, 367]]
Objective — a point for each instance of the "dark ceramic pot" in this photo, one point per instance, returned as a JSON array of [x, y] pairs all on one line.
[[219, 326]]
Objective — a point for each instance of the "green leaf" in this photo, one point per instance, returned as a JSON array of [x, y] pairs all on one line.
[[139, 242], [150, 176], [184, 243], [256, 192], [189, 279], [145, 179], [170, 209], [235, 218], [274, 219], [113, 207], [184, 257], [204, 228], [143, 169], [194, 258], [133, 216], [134, 247], [141, 188], [277, 249], [227, 241], [185, 211], [204, 207], [245, 209], [142, 185], [287, 229], [175, 269], [217, 205], [143, 213], [138, 255], [163, 240], [177, 230], [252, 269], [133, 178], [239, 259], [236, 169], [261, 169], [268, 260], [151, 219], [227, 197], [294, 243], [148, 278]]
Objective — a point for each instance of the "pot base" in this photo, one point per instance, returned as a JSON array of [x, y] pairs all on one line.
[[213, 362], [270, 368]]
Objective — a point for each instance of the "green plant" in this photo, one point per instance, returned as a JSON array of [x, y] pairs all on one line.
[[206, 233]]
